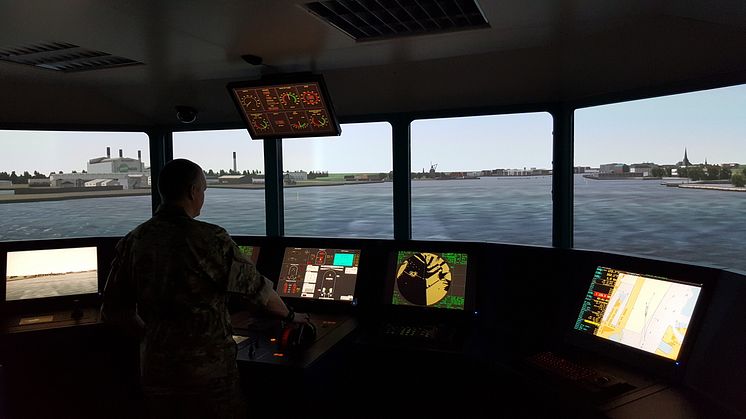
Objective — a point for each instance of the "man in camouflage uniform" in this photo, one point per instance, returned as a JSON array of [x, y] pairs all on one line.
[[169, 284]]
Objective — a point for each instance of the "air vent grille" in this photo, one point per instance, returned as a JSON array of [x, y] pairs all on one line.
[[367, 20], [62, 56]]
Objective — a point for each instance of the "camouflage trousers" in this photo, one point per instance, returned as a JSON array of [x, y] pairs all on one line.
[[221, 399]]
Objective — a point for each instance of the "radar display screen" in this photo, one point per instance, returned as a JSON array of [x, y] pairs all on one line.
[[286, 108], [32, 274], [321, 274], [251, 251], [644, 312], [430, 279]]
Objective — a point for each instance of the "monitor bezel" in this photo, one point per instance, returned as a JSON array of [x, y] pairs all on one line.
[[283, 79], [430, 312], [635, 358], [304, 302], [52, 303]]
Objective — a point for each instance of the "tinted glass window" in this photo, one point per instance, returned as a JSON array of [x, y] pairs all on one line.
[[340, 186], [66, 184], [485, 178], [234, 198], [658, 177]]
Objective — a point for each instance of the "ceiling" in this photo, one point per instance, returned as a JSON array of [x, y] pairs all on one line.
[[536, 51]]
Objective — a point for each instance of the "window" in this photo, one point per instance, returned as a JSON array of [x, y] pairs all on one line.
[[234, 169], [340, 186], [655, 177], [73, 184], [485, 178]]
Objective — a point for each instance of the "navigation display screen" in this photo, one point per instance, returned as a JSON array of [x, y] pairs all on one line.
[[32, 274], [321, 274], [252, 252], [645, 312], [429, 279], [287, 109]]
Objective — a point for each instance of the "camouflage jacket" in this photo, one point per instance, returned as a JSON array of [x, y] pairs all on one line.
[[177, 273]]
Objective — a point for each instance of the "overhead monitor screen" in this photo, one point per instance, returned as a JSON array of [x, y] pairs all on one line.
[[429, 279], [32, 274], [286, 108], [321, 274], [649, 313]]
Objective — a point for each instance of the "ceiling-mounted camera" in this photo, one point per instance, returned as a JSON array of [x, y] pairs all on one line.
[[186, 114]]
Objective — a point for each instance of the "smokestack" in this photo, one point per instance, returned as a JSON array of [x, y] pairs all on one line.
[[120, 153], [139, 159], [108, 152], [234, 162]]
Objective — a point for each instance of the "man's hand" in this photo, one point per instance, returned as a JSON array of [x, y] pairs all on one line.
[[302, 318]]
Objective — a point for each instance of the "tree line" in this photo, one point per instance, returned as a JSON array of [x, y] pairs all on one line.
[[19, 179], [223, 172], [706, 172]]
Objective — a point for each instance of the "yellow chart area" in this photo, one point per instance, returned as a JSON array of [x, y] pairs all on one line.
[[648, 314]]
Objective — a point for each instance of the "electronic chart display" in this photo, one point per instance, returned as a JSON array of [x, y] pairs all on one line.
[[320, 274], [429, 279], [645, 312], [32, 274]]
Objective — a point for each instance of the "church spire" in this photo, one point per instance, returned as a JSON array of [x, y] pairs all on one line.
[[686, 162]]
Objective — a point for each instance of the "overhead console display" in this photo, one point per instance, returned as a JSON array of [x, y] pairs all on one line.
[[429, 279], [285, 106], [645, 312], [321, 274]]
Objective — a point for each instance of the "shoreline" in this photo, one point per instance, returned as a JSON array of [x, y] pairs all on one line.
[[710, 187], [63, 196]]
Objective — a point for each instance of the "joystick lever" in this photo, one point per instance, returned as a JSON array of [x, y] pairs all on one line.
[[77, 312]]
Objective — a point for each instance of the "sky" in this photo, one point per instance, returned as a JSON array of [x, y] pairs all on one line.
[[35, 262], [47, 151], [709, 124]]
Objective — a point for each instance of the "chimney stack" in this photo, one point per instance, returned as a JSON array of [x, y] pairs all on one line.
[[234, 162], [108, 152], [120, 153], [139, 159]]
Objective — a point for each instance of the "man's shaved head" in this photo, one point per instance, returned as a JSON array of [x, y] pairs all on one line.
[[177, 178]]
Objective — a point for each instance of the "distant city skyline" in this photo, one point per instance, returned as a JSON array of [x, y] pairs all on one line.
[[709, 125]]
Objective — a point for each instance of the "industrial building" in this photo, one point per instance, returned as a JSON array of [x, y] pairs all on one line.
[[121, 171]]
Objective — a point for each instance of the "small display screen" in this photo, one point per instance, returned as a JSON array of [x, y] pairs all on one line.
[[430, 279], [32, 274], [645, 312], [321, 274], [285, 109], [251, 251]]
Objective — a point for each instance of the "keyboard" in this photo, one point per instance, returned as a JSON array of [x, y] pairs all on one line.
[[567, 369], [418, 332], [593, 383]]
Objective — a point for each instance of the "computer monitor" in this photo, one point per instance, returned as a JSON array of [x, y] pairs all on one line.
[[429, 279], [252, 252], [45, 273], [645, 312], [285, 106], [319, 274]]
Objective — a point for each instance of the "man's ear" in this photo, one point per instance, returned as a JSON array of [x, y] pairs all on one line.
[[192, 192]]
